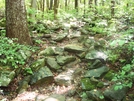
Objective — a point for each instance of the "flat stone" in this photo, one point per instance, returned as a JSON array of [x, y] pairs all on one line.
[[62, 60], [60, 37], [87, 84], [42, 76], [95, 95], [6, 77], [115, 95], [96, 55], [55, 97], [97, 72], [51, 62], [37, 64], [47, 52], [65, 78], [74, 48]]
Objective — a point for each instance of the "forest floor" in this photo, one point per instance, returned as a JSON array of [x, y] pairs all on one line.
[[75, 30]]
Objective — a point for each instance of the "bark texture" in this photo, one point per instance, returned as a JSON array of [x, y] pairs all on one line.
[[16, 23]]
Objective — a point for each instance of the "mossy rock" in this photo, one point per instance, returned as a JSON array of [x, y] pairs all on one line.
[[109, 75], [87, 84]]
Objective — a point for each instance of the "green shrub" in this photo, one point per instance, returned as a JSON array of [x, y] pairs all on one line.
[[9, 53]]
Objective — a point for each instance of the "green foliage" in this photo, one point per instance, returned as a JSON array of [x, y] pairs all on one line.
[[124, 56], [28, 71], [124, 78], [9, 53]]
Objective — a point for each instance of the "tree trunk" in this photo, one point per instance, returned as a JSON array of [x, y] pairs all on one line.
[[16, 23], [47, 5], [51, 4], [34, 7], [112, 8], [90, 2], [76, 5], [55, 8], [65, 4]]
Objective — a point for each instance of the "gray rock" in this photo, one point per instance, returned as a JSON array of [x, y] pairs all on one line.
[[25, 54], [97, 72], [24, 84], [96, 55], [51, 62], [74, 48], [55, 97], [58, 50], [43, 75], [6, 77], [62, 60], [47, 52], [37, 64], [95, 95], [60, 37], [96, 64], [65, 78], [115, 95], [77, 34]]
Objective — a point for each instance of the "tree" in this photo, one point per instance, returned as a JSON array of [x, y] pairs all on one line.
[[16, 22], [76, 5], [33, 7], [55, 8]]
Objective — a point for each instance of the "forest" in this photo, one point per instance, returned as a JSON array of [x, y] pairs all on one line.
[[66, 50]]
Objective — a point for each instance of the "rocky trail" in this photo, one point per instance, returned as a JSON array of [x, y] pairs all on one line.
[[71, 63]]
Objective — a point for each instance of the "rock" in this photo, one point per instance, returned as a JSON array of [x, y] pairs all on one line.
[[47, 52], [87, 84], [37, 64], [77, 34], [60, 37], [71, 99], [65, 78], [81, 55], [95, 95], [46, 36], [58, 50], [89, 42], [55, 97], [97, 72], [96, 55], [62, 60], [84, 31], [96, 64], [109, 75], [6, 77], [100, 85], [42, 76], [23, 85], [25, 54], [30, 96], [115, 95], [51, 62], [74, 48]]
